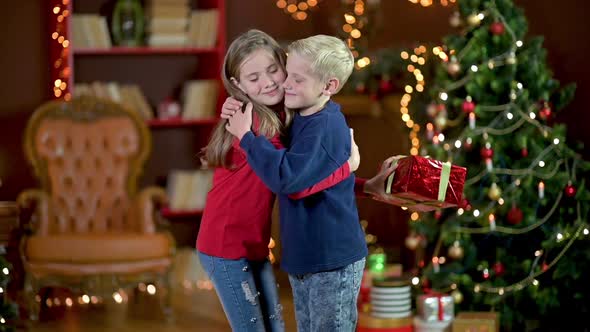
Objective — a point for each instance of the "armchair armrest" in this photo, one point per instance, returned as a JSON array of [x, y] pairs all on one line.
[[33, 205], [147, 203]]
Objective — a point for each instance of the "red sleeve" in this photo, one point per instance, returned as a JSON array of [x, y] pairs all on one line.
[[340, 174], [359, 187]]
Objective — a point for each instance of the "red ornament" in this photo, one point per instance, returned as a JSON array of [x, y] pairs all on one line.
[[497, 28], [468, 106], [385, 86], [524, 152], [437, 214], [487, 153], [545, 267], [499, 268], [360, 88], [570, 190], [545, 113], [465, 204], [514, 216]]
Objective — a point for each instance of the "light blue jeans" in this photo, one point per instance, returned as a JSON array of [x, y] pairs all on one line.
[[247, 291], [327, 301]]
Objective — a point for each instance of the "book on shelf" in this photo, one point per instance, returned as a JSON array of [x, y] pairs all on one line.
[[90, 31], [199, 99], [187, 189], [129, 95], [167, 23], [203, 26]]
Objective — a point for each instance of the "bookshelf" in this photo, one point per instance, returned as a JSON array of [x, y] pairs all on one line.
[[161, 72], [145, 50]]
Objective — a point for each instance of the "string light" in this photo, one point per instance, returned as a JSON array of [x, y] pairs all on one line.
[[297, 9], [428, 3], [60, 50]]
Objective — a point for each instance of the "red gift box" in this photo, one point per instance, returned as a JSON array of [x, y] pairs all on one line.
[[424, 184]]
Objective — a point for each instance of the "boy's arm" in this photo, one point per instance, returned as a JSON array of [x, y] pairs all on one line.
[[340, 174], [306, 162], [288, 171]]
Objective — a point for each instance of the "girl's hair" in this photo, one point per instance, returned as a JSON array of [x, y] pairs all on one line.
[[269, 123]]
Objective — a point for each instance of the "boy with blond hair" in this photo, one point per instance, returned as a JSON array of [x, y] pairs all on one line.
[[323, 243]]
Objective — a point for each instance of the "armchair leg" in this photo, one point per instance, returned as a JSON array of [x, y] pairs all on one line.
[[31, 291], [167, 300]]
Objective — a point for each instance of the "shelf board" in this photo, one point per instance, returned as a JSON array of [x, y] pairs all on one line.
[[171, 123], [144, 50], [167, 213]]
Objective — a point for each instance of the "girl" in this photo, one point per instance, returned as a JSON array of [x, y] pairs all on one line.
[[235, 229]]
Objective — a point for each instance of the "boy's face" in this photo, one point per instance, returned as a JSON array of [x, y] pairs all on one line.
[[261, 78], [303, 89]]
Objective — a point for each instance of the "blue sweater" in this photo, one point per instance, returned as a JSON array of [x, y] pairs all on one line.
[[320, 232]]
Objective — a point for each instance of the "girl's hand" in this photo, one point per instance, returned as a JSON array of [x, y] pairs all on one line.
[[355, 158]]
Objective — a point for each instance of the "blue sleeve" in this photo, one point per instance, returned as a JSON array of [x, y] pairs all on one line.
[[289, 171]]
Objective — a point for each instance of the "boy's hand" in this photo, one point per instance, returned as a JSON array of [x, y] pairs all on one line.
[[355, 158], [375, 186], [230, 107], [271, 256], [240, 123]]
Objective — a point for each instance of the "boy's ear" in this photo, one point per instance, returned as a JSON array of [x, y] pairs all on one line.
[[331, 86], [236, 83]]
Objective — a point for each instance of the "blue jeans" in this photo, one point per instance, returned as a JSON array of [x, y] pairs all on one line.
[[247, 291], [327, 301]]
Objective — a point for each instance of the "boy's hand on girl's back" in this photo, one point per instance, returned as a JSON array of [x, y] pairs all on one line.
[[355, 158], [241, 122]]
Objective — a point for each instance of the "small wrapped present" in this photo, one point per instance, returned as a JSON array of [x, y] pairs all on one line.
[[477, 322], [436, 307], [421, 325], [424, 184], [368, 323]]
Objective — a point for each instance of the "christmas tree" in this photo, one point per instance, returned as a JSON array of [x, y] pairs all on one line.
[[519, 244]]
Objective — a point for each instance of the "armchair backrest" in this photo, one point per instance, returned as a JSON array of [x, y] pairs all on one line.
[[87, 154]]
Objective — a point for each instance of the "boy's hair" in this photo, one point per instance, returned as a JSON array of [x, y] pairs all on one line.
[[329, 56]]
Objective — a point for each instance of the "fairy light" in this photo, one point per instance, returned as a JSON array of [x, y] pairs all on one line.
[[428, 3], [298, 10], [60, 50]]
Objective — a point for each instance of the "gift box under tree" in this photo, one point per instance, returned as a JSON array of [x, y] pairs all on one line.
[[436, 307], [476, 322], [424, 184]]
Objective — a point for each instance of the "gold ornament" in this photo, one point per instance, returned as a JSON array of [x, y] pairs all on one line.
[[455, 20], [511, 59], [441, 121], [412, 242], [453, 68], [473, 20], [457, 296], [494, 192], [456, 251]]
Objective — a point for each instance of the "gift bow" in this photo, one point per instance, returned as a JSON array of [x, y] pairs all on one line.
[[445, 177], [438, 296]]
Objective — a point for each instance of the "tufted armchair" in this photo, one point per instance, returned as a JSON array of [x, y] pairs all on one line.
[[88, 222]]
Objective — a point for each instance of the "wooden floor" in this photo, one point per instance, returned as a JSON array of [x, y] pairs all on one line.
[[195, 311]]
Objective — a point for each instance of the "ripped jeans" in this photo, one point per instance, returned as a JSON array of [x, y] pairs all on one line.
[[247, 291]]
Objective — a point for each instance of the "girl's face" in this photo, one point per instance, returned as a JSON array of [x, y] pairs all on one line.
[[261, 78]]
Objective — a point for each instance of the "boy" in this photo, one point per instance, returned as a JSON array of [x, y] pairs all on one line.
[[324, 247]]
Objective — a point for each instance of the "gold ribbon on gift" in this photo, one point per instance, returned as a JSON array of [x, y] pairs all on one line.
[[445, 178]]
